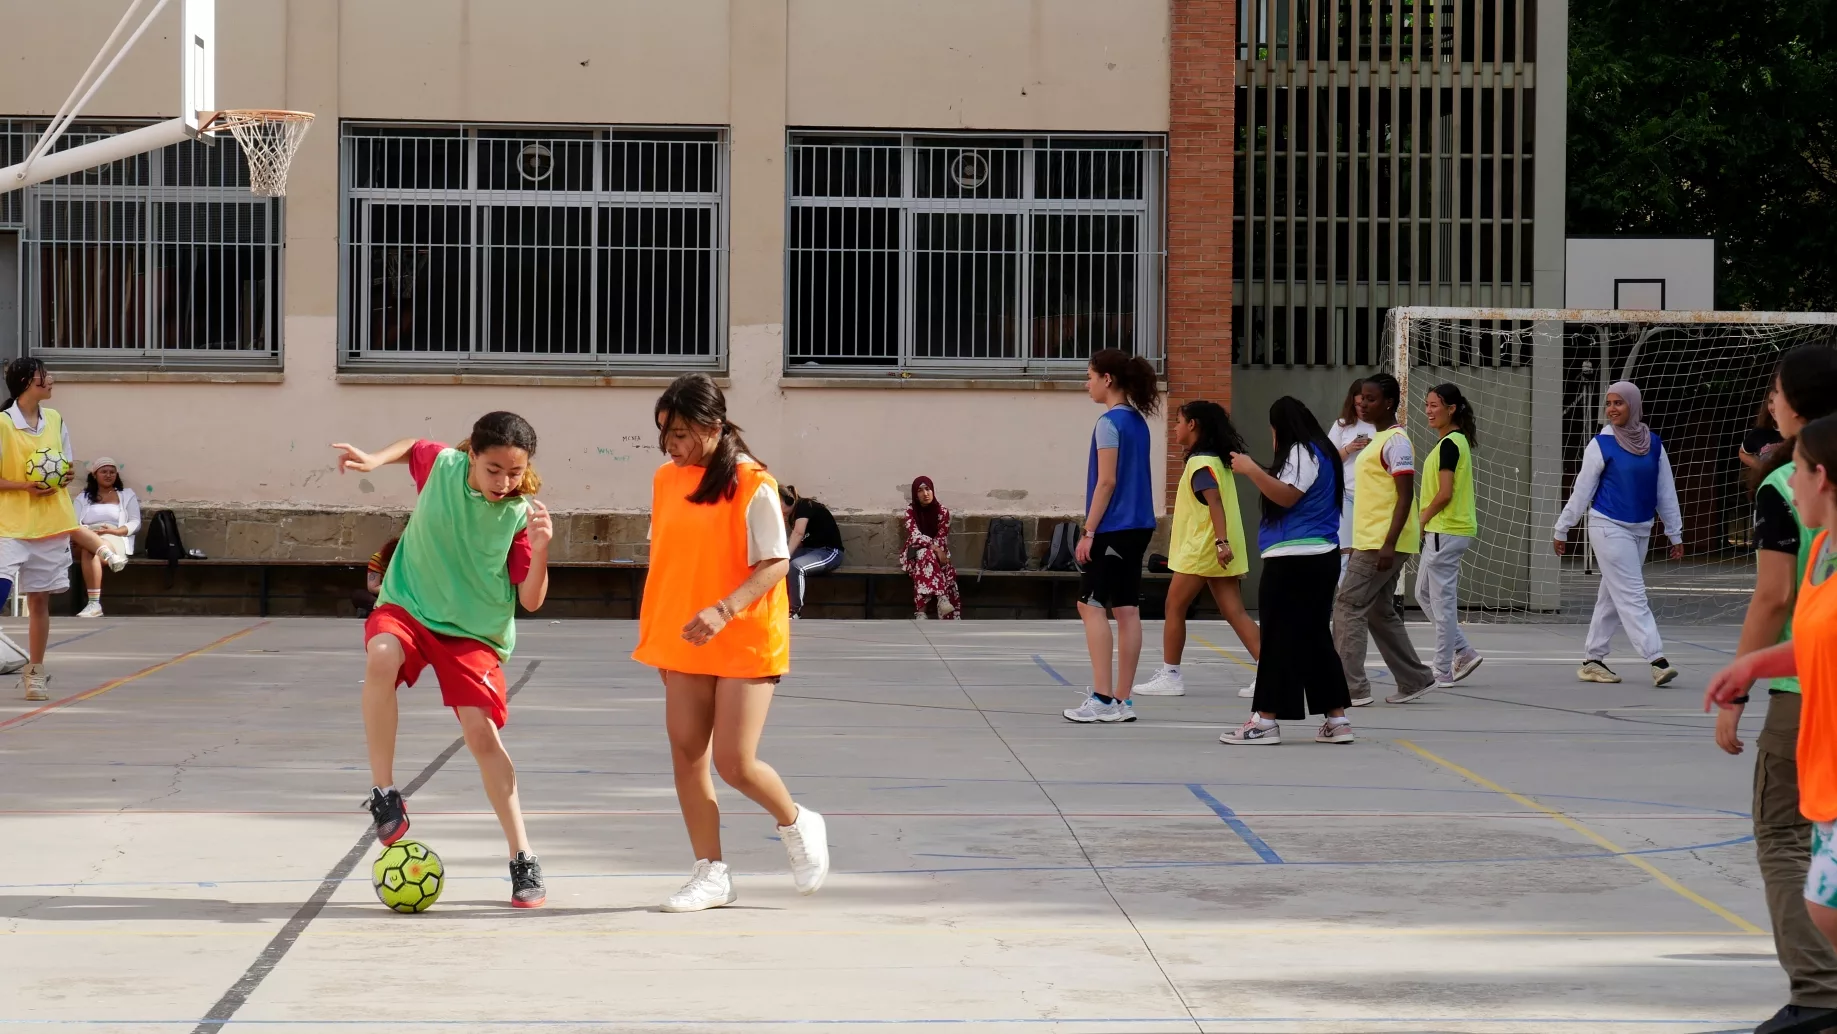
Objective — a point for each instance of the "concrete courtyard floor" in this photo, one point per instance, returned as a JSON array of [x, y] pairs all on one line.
[[184, 850]]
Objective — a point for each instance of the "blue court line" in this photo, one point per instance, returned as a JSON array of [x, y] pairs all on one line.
[[1238, 826], [1047, 668], [1185, 1021], [74, 638], [1126, 866]]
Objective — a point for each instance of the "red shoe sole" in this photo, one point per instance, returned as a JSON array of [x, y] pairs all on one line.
[[399, 834], [528, 904]]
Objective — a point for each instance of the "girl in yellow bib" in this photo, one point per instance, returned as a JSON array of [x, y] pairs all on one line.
[[37, 522], [1206, 549], [1449, 523], [716, 624]]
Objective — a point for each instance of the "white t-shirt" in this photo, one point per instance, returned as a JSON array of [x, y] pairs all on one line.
[[1300, 471], [1342, 435]]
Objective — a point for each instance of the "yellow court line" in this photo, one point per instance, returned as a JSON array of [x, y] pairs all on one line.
[[1202, 641], [117, 683], [1620, 852]]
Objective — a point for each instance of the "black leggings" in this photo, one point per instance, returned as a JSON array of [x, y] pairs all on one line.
[[1299, 673]]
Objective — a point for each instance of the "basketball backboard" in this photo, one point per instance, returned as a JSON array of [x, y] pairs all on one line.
[[1672, 273], [199, 62]]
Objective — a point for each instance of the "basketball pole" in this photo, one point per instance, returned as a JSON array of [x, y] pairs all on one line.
[[102, 152]]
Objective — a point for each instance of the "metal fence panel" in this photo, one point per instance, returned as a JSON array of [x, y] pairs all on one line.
[[985, 254], [539, 247], [161, 259]]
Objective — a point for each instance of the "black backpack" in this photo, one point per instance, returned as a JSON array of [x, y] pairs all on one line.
[[1062, 555], [163, 541], [1006, 547]]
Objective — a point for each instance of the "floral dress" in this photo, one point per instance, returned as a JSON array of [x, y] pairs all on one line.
[[927, 560]]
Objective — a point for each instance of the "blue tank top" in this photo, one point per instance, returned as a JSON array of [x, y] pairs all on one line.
[[1132, 504], [1314, 517], [1628, 491]]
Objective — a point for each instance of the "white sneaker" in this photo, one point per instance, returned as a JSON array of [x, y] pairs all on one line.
[[1250, 691], [1254, 733], [945, 610], [35, 682], [807, 842], [114, 560], [1167, 682], [93, 610], [710, 886], [921, 616], [1095, 710]]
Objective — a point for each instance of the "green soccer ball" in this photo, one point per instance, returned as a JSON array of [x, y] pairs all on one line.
[[48, 468], [408, 876]]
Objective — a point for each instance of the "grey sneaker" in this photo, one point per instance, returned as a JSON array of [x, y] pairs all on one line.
[[1595, 671], [1466, 665], [526, 887], [1254, 733], [1404, 696], [1095, 710], [1364, 701], [1662, 672]]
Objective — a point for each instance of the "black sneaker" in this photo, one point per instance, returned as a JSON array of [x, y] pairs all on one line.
[[1799, 1019], [390, 813], [526, 887]]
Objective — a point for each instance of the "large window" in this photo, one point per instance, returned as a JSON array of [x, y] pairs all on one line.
[[534, 247], [986, 254], [162, 259]]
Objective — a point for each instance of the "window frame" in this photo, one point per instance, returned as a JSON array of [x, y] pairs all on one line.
[[1149, 255], [482, 255], [154, 199]]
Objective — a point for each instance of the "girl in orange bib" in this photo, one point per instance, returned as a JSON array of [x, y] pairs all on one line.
[[1811, 654], [716, 624]]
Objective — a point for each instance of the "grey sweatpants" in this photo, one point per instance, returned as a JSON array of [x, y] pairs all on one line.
[[1364, 605]]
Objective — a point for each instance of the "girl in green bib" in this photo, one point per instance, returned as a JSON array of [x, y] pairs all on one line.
[[1206, 549], [1449, 524]]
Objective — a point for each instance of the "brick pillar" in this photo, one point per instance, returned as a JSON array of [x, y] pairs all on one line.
[[1202, 123]]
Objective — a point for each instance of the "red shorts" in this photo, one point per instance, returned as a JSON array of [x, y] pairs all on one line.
[[469, 672]]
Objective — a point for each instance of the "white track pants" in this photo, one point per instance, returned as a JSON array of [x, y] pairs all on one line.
[[1620, 552]]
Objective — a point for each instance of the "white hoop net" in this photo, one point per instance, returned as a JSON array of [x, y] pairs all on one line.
[[1536, 379], [268, 139]]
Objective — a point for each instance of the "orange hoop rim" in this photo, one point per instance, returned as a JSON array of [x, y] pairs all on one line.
[[232, 118]]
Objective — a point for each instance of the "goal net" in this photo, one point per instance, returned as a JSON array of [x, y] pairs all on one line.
[[1537, 379]]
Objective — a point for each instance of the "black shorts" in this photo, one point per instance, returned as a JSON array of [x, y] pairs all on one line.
[[1113, 578]]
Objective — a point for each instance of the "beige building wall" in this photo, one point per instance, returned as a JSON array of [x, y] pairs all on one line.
[[752, 66]]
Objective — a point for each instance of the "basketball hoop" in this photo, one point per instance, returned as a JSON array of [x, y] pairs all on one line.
[[268, 139]]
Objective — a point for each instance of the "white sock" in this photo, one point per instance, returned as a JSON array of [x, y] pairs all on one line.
[[1341, 720], [1171, 669], [389, 789]]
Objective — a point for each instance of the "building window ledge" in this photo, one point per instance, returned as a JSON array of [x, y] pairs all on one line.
[[70, 376], [938, 383], [522, 380]]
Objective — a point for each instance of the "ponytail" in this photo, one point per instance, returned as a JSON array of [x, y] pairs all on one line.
[[505, 429], [1451, 396], [698, 402], [1134, 376], [20, 374], [1807, 378]]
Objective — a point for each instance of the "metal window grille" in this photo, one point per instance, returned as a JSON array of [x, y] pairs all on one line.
[[161, 259], [538, 247], [986, 254], [1384, 158]]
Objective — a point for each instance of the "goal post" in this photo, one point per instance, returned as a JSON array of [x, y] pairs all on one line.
[[1537, 379]]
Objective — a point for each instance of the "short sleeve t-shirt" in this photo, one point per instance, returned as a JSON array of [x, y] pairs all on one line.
[[766, 537], [821, 532], [1776, 527], [421, 457], [1300, 469], [1450, 457]]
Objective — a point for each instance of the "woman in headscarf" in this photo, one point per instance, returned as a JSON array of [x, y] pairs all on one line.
[[926, 554], [1624, 483]]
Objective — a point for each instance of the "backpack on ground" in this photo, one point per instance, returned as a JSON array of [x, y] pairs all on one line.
[[163, 541], [1006, 546], [1062, 555]]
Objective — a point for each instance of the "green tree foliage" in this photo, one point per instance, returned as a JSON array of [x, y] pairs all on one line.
[[1712, 118]]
